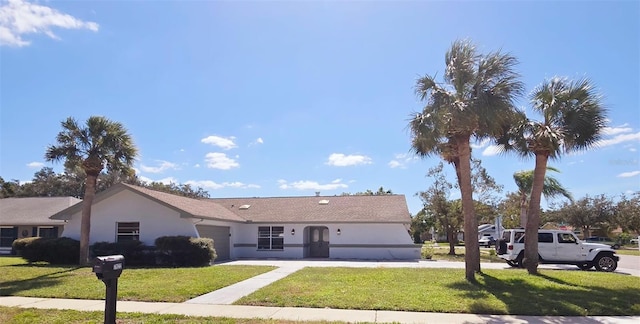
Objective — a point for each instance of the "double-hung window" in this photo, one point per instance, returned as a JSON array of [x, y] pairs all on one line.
[[271, 238], [128, 231]]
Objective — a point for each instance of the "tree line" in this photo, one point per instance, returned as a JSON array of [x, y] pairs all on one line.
[[47, 183]]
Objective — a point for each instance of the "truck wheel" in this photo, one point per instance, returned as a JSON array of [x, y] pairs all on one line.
[[512, 263], [606, 262], [585, 266]]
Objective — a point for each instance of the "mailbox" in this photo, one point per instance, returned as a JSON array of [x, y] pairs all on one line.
[[108, 267]]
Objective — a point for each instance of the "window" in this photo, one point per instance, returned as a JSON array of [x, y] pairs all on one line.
[[7, 236], [566, 238], [545, 238], [47, 231], [271, 238], [129, 231]]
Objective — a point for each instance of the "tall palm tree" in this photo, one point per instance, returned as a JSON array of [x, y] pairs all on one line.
[[551, 188], [476, 99], [573, 117], [102, 143]]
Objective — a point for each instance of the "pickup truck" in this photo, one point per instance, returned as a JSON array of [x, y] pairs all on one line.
[[557, 247]]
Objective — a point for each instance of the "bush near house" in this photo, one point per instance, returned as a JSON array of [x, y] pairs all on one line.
[[135, 252], [61, 250], [181, 251]]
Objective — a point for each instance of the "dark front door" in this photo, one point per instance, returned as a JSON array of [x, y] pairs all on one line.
[[319, 242]]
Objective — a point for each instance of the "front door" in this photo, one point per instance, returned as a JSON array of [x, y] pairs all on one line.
[[319, 243]]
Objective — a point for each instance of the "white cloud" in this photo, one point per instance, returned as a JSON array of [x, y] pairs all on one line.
[[491, 150], [35, 165], [18, 18], [208, 184], [616, 130], [220, 161], [401, 160], [628, 174], [311, 185], [164, 165], [259, 140], [620, 139], [339, 159], [226, 143]]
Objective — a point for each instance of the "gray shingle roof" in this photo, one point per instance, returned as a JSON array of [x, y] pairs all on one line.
[[340, 209], [33, 210], [187, 207]]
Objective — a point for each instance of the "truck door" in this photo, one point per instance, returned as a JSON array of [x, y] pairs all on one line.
[[567, 248]]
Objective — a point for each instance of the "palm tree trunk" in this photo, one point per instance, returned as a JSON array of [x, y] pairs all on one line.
[[85, 225], [533, 215], [523, 210], [471, 249]]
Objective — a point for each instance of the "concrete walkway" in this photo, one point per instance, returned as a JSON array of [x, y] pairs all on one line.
[[303, 314], [228, 295]]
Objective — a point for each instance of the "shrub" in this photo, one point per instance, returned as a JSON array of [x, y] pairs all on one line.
[[62, 250], [179, 251], [135, 252], [427, 250]]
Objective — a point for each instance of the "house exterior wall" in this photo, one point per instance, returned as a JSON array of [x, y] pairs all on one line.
[[155, 219], [356, 241]]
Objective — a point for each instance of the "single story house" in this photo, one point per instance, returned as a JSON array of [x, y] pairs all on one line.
[[29, 217], [340, 227]]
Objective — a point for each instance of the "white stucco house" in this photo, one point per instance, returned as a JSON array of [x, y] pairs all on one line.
[[337, 227]]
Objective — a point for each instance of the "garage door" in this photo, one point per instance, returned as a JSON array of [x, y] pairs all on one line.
[[220, 236]]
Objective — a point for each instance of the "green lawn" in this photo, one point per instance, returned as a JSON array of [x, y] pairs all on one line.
[[628, 251], [510, 291], [14, 315], [144, 284]]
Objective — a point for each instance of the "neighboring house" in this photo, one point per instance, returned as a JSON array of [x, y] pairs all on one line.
[[28, 217], [342, 227]]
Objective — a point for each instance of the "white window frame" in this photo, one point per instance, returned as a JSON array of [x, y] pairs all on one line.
[[43, 227]]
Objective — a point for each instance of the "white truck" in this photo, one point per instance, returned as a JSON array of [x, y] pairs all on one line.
[[557, 247]]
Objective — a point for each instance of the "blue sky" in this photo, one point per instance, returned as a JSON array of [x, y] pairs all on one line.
[[285, 98]]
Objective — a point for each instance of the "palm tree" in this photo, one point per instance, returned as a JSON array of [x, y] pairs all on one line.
[[551, 188], [102, 143], [476, 100], [573, 117]]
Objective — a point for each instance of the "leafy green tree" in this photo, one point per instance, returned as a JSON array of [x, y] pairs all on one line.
[[509, 208], [588, 213], [476, 99], [178, 189], [421, 223], [438, 207], [551, 188], [573, 118], [9, 188], [628, 213], [100, 144]]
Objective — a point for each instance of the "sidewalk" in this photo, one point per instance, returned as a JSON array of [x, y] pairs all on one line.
[[218, 303], [303, 314]]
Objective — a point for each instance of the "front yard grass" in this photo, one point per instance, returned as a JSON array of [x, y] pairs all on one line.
[[510, 291], [142, 284], [15, 315]]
